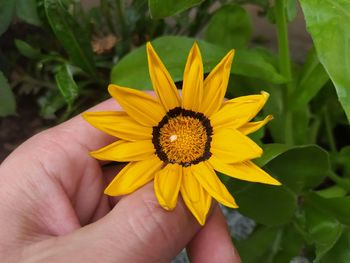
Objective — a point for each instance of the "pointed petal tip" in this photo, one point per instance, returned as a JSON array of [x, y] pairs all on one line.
[[149, 48], [274, 181], [265, 94], [269, 118]]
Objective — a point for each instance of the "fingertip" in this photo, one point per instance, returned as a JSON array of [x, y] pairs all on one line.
[[213, 242]]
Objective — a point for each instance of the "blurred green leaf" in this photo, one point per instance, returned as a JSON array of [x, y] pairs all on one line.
[[73, 38], [338, 207], [271, 151], [313, 78], [50, 103], [327, 22], [271, 245], [164, 8], [323, 229], [265, 204], [132, 70], [262, 240], [291, 6], [229, 27], [27, 50], [340, 251], [66, 84], [7, 9], [27, 11], [7, 98], [300, 168]]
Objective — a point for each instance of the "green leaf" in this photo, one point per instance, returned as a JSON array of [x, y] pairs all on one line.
[[340, 251], [50, 103], [132, 70], [327, 21], [73, 38], [229, 27], [338, 207], [164, 8], [7, 98], [66, 84], [323, 229], [271, 244], [300, 168], [261, 240], [27, 11], [271, 151], [291, 6], [313, 78], [27, 50], [266, 204], [7, 9]]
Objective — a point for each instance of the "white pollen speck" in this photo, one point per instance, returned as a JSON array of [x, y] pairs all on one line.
[[173, 137]]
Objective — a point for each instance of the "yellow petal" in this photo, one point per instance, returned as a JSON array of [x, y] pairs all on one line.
[[231, 146], [192, 89], [238, 111], [133, 176], [251, 127], [195, 197], [162, 82], [139, 106], [167, 184], [124, 151], [215, 85], [246, 171], [118, 124], [207, 177]]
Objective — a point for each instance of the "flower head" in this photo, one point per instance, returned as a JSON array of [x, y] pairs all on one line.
[[178, 141]]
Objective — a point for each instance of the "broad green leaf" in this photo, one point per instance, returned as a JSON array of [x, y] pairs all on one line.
[[340, 252], [323, 229], [328, 23], [132, 70], [338, 207], [66, 84], [260, 242], [164, 8], [27, 11], [7, 9], [300, 168], [313, 78], [7, 98], [27, 50], [73, 38], [270, 245], [271, 151], [265, 204], [229, 27]]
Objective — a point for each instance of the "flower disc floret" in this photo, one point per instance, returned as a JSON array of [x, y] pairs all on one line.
[[183, 137]]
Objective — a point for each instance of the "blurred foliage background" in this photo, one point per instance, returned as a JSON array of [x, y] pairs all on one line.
[[61, 55]]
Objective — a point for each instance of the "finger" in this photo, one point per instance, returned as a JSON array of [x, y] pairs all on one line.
[[213, 242], [136, 230]]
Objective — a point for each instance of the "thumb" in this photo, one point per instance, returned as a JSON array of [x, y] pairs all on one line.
[[136, 230]]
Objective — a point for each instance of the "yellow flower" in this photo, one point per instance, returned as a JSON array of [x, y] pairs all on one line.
[[180, 140]]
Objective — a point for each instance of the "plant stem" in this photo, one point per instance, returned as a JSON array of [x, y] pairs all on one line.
[[329, 131], [285, 64]]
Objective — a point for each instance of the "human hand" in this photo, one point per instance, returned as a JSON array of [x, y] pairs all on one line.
[[52, 208]]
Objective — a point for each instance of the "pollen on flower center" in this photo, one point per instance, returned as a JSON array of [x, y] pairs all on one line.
[[183, 137]]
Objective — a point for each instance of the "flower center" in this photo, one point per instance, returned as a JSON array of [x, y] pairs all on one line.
[[183, 137]]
